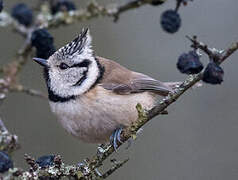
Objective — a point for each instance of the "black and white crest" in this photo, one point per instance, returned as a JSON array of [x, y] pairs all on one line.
[[77, 45]]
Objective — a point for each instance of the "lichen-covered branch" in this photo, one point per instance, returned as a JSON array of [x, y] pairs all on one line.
[[56, 171]]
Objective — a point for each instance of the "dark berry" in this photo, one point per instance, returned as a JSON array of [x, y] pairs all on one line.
[[157, 2], [5, 162], [45, 161], [189, 63], [42, 40], [45, 53], [170, 21], [1, 5], [213, 74], [23, 14], [63, 5]]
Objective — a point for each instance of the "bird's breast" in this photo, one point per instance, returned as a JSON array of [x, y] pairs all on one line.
[[93, 116]]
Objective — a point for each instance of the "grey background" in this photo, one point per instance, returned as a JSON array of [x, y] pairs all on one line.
[[197, 140]]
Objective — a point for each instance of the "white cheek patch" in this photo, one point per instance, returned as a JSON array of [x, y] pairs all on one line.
[[75, 74], [63, 84]]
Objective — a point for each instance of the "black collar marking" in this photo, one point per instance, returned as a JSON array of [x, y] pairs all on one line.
[[100, 74]]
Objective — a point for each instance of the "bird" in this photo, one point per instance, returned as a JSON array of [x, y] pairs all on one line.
[[93, 97]]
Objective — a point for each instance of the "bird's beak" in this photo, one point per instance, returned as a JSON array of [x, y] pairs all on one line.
[[42, 62]]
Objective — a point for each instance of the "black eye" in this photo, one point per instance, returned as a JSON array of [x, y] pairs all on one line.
[[63, 66]]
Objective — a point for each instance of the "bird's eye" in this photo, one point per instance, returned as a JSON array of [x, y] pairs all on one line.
[[63, 66]]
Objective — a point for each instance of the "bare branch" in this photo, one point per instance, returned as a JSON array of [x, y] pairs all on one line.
[[31, 92]]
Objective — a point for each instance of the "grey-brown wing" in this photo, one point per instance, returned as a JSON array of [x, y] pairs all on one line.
[[120, 80], [139, 83], [118, 88], [149, 84]]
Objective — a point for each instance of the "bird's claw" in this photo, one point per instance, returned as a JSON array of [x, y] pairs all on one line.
[[115, 138]]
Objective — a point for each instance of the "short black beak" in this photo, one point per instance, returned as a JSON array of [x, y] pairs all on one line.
[[42, 62]]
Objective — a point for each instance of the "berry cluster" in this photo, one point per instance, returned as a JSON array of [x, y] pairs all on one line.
[[62, 5], [189, 63], [23, 14], [5, 162], [45, 161], [42, 40]]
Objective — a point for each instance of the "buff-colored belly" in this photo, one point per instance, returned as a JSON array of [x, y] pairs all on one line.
[[93, 118]]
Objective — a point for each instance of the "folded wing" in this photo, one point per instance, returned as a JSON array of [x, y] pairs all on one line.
[[123, 81]]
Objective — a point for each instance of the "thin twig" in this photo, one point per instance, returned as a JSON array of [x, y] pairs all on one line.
[[31, 92]]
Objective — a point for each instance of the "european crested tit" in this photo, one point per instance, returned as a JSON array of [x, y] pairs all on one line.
[[93, 96]]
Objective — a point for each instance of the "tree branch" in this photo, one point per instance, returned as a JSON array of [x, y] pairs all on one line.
[[31, 92]]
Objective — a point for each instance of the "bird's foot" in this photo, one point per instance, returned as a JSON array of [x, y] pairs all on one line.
[[115, 138]]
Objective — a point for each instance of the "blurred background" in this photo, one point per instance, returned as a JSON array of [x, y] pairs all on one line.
[[197, 140]]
